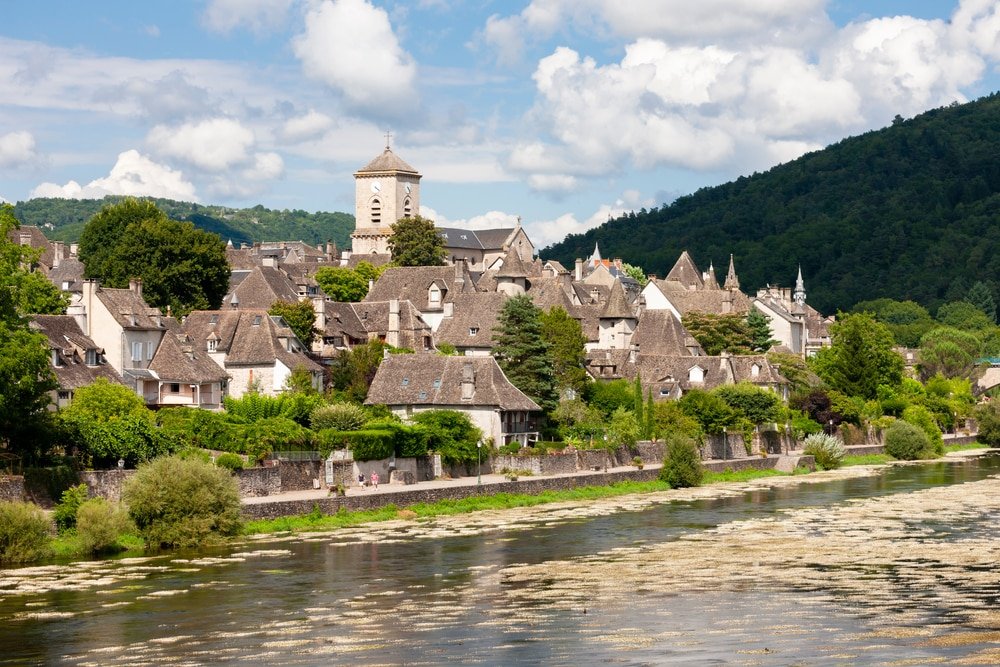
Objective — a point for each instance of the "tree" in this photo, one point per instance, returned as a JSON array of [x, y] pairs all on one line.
[[522, 352], [951, 352], [716, 333], [963, 315], [907, 320], [760, 331], [712, 413], [452, 434], [181, 267], [352, 371], [860, 358], [623, 429], [415, 242], [300, 317], [758, 405], [609, 395], [566, 342], [981, 296], [682, 465], [636, 273], [342, 284]]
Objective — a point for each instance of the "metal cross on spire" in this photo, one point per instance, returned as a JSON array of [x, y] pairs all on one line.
[[388, 136]]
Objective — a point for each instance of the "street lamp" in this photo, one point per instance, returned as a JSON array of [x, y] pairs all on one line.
[[479, 464]]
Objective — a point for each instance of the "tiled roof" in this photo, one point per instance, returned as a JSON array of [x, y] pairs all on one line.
[[659, 332], [178, 359], [686, 273], [704, 301], [373, 316], [411, 283], [247, 337], [454, 237], [70, 270], [261, 288], [478, 311], [512, 266], [436, 380], [71, 345], [129, 309], [387, 161], [494, 239], [373, 258], [617, 307]]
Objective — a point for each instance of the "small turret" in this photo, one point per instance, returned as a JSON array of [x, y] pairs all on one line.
[[732, 282]]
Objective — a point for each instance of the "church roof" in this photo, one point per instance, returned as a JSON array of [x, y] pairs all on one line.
[[387, 161]]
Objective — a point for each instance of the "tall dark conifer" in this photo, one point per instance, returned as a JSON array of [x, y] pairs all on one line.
[[522, 352]]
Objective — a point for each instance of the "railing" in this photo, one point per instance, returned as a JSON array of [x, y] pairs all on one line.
[[304, 455]]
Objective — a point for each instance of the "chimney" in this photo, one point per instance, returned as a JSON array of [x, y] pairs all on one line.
[[460, 273], [392, 335], [89, 288], [633, 352], [135, 285], [578, 270], [58, 250], [25, 238], [271, 262], [468, 381], [449, 309], [73, 249], [727, 302], [618, 263]]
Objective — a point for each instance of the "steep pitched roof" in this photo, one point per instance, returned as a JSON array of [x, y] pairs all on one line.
[[732, 282], [710, 301], [129, 309], [177, 360], [659, 332], [617, 307], [455, 237], [71, 345], [261, 288], [431, 379], [411, 283], [711, 282], [686, 273], [495, 239], [474, 317], [246, 337], [69, 271], [512, 266], [387, 161], [374, 317], [34, 238]]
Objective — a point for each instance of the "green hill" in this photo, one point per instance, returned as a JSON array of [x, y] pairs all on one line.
[[910, 211], [64, 219]]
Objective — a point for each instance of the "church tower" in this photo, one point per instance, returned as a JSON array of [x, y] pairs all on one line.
[[385, 190]]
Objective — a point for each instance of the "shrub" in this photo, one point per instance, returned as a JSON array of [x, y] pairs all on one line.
[[452, 434], [274, 433], [758, 405], [408, 441], [367, 445], [921, 417], [803, 426], [98, 525], [988, 416], [826, 449], [24, 532], [339, 417], [253, 407], [65, 510], [682, 465], [711, 412], [176, 502], [231, 462], [623, 430], [905, 441]]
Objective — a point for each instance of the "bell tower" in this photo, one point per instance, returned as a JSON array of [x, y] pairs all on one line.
[[385, 190]]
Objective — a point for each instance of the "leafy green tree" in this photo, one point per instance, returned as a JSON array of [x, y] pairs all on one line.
[[649, 426], [522, 352], [907, 320], [965, 316], [682, 465], [415, 242], [981, 296], [300, 317], [711, 412], [670, 418], [578, 421], [950, 352], [25, 379], [760, 331], [38, 296], [342, 284], [636, 273], [609, 395], [794, 369], [566, 342], [905, 441], [988, 416], [860, 358], [623, 430], [716, 333], [181, 267], [452, 434], [758, 405], [352, 371], [24, 532]]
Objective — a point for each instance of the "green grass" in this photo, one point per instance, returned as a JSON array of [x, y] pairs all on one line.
[[866, 460], [962, 448], [741, 475], [67, 545]]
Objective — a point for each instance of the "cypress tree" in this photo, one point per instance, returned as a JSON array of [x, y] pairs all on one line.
[[637, 398], [523, 353]]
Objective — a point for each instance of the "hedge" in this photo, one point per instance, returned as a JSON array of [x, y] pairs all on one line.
[[367, 445]]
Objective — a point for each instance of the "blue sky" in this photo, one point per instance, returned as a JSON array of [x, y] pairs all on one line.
[[563, 112]]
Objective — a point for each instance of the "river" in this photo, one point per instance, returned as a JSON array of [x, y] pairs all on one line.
[[896, 567]]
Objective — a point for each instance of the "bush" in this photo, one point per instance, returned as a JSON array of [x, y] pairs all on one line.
[[176, 502], [921, 417], [408, 441], [339, 417], [803, 426], [905, 441], [367, 445], [274, 433], [988, 416], [623, 430], [65, 510], [24, 532], [826, 449], [451, 434], [231, 462], [98, 525], [682, 465], [758, 405]]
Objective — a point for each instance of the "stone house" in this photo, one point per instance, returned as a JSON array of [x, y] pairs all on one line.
[[77, 361], [431, 289], [475, 386], [345, 325]]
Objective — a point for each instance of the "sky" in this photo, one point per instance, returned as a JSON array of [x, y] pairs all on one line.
[[561, 112]]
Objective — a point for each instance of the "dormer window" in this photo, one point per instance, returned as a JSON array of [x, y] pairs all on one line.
[[214, 319], [437, 383], [405, 382], [696, 374], [754, 371], [55, 358], [473, 331], [256, 320], [434, 295], [90, 357], [212, 345]]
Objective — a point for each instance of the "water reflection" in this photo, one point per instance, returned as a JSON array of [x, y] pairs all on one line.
[[567, 592]]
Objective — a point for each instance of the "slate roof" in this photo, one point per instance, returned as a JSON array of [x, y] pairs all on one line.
[[494, 239], [374, 318], [512, 266], [129, 309], [686, 273], [704, 300], [70, 270], [178, 360], [436, 380], [617, 307], [373, 258], [658, 332], [672, 372], [261, 288], [37, 240], [71, 344], [387, 161], [410, 283], [475, 310], [247, 337]]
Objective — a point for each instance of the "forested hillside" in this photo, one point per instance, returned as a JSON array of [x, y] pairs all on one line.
[[907, 212], [64, 219]]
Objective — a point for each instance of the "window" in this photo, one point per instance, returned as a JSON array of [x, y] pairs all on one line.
[[376, 212], [405, 382], [55, 358], [437, 383], [256, 320], [407, 208], [63, 395], [664, 391], [434, 294], [136, 351], [473, 331], [90, 357], [423, 396], [754, 371], [214, 319], [212, 344], [149, 350], [175, 388], [696, 374]]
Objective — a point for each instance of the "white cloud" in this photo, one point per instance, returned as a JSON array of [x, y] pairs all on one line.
[[133, 174], [978, 23], [266, 167], [350, 46], [488, 220], [308, 126], [17, 148], [213, 145], [258, 16], [3, 200]]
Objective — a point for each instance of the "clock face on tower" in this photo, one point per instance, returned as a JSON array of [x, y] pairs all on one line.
[[376, 187]]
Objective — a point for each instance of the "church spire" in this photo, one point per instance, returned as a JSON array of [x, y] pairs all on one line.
[[799, 295], [732, 282]]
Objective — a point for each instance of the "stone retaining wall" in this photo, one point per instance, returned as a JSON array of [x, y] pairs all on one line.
[[12, 487], [105, 483], [256, 482]]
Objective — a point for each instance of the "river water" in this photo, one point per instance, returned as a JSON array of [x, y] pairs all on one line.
[[896, 567]]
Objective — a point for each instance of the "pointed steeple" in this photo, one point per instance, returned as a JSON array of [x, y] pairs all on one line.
[[799, 295], [617, 307], [686, 273], [595, 258], [732, 282], [710, 280]]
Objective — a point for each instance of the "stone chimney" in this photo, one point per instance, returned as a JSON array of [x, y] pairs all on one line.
[[58, 250], [87, 302], [135, 285], [449, 309], [460, 273], [633, 353], [271, 261], [578, 269], [468, 381], [25, 238], [392, 335]]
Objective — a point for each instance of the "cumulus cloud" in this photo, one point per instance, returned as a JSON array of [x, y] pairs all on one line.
[[307, 126], [725, 105], [16, 149], [350, 46], [213, 145], [488, 220], [258, 16], [544, 233], [133, 174], [266, 167]]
